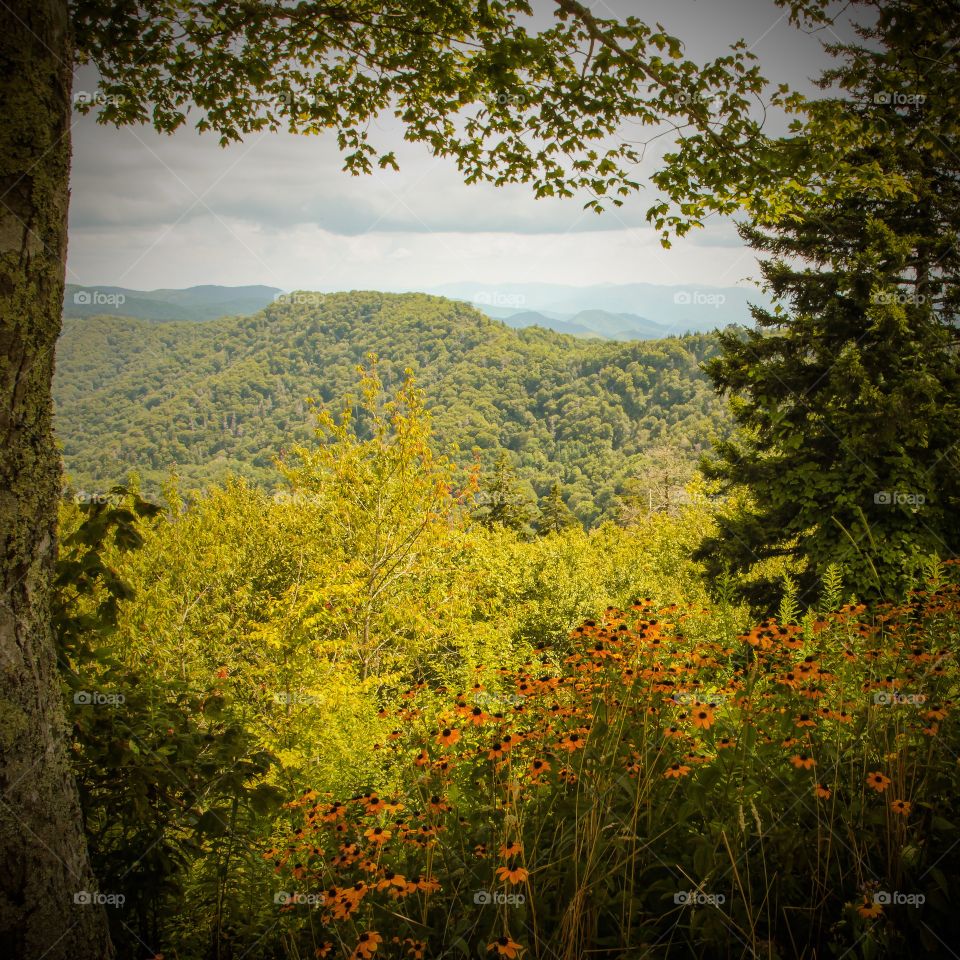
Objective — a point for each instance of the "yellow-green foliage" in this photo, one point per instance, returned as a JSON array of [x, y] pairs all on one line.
[[321, 601]]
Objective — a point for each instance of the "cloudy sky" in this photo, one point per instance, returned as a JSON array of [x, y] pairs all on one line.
[[151, 210]]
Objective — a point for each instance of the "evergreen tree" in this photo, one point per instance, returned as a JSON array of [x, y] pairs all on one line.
[[847, 395], [502, 500], [555, 515]]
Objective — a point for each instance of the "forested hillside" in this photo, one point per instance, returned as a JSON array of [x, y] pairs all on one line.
[[229, 395]]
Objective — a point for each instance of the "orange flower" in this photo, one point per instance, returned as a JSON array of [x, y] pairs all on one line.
[[900, 806], [803, 761], [505, 947], [366, 946], [511, 849], [870, 909], [571, 742], [878, 781], [822, 791], [448, 736], [702, 718], [512, 874], [377, 835], [538, 767], [676, 770], [324, 949]]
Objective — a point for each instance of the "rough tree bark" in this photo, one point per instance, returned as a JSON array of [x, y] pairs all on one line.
[[42, 847]]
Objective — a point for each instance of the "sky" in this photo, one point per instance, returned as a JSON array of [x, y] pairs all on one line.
[[152, 210]]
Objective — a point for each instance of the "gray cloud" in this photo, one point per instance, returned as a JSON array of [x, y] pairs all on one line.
[[146, 185]]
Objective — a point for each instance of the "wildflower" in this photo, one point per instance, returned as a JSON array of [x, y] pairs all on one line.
[[703, 718], [822, 791], [870, 909], [571, 742], [804, 720], [511, 849], [391, 879], [512, 874], [802, 761], [538, 767], [724, 742], [878, 782], [676, 770], [448, 736], [377, 835], [900, 806], [366, 946], [505, 947]]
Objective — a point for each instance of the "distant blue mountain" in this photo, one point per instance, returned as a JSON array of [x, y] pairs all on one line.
[[633, 311], [206, 302]]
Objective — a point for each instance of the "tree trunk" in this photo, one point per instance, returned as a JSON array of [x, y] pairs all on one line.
[[45, 875]]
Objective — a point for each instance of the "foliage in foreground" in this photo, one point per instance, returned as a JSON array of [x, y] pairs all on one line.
[[659, 788]]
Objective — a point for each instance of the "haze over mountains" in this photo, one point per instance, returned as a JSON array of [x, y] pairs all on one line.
[[639, 311]]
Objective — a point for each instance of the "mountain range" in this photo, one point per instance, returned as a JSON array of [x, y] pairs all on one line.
[[207, 302], [637, 311], [228, 396]]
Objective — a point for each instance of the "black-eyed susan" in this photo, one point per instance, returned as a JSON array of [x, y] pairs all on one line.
[[538, 768], [803, 761], [512, 874], [702, 717], [870, 909], [676, 770], [512, 849], [367, 944], [448, 736], [377, 835], [822, 791], [505, 947], [572, 741], [901, 807], [877, 781]]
